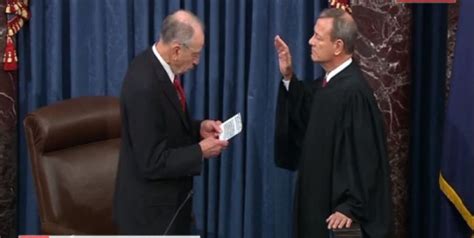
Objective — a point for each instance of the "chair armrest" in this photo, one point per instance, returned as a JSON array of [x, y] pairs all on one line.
[[352, 232], [49, 228]]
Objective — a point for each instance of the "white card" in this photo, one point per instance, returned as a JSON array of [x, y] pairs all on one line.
[[231, 127]]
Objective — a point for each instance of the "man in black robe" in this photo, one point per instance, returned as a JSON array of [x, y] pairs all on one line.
[[332, 131]]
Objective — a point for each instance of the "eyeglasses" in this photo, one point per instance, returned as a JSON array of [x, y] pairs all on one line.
[[194, 54]]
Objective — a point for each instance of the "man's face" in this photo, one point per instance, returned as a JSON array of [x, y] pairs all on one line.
[[188, 54], [322, 48]]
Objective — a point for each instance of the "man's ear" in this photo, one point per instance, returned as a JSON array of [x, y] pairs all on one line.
[[175, 48], [339, 44]]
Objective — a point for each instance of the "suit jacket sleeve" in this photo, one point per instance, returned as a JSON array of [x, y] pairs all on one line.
[[196, 127], [161, 149]]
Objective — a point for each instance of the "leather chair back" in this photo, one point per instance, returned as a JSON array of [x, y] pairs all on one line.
[[73, 146]]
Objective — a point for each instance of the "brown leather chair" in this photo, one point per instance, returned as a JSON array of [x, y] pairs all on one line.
[[73, 147], [353, 232]]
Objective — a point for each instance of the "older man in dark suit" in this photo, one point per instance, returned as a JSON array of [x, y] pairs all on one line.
[[162, 147]]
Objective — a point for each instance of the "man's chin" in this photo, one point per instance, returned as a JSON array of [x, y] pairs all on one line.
[[315, 60]]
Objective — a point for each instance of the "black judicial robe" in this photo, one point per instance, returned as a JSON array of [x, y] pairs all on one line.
[[334, 136]]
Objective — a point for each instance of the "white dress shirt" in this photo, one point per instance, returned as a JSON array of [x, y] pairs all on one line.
[[165, 65], [329, 75]]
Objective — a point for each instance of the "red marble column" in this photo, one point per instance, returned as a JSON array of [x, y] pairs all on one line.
[[453, 17], [8, 140], [383, 51]]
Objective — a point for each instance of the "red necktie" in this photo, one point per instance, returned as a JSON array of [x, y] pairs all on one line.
[[325, 82], [180, 90]]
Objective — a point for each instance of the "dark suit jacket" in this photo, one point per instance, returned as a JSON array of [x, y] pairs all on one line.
[[159, 152]]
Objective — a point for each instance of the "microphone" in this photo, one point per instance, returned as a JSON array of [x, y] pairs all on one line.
[[190, 194]]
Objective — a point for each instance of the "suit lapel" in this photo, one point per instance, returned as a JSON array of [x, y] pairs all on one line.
[[168, 87]]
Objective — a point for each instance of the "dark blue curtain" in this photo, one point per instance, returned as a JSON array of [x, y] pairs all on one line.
[[72, 48], [427, 114]]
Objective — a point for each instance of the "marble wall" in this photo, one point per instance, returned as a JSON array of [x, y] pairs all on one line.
[[383, 51], [8, 141], [453, 17]]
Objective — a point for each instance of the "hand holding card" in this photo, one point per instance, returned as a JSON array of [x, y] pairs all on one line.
[[231, 127]]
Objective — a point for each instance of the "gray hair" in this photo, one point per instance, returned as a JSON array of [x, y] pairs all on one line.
[[343, 27], [179, 29]]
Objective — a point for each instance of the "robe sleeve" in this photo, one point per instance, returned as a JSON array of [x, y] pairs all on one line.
[[292, 115], [361, 186]]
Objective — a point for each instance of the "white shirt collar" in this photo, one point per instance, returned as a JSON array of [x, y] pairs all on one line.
[[338, 69], [165, 65]]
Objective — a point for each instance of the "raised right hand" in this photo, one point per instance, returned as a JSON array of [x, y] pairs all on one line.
[[212, 147], [284, 58]]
